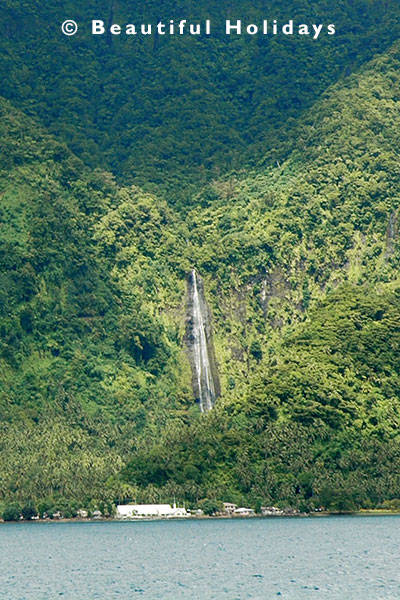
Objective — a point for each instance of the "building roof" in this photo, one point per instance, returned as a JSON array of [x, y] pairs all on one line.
[[149, 510]]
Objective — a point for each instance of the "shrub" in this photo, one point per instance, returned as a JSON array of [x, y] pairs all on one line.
[[28, 511], [12, 512], [392, 504], [46, 506], [209, 507]]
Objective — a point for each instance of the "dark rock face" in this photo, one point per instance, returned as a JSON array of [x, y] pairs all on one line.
[[200, 347]]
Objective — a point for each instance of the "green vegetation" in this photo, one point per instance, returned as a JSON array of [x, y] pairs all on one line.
[[110, 195], [12, 512], [170, 113], [318, 425], [28, 511]]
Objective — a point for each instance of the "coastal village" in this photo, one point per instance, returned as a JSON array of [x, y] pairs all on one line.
[[133, 512], [166, 511], [149, 512]]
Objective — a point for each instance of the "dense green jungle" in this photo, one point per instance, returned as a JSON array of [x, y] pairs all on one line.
[[272, 166]]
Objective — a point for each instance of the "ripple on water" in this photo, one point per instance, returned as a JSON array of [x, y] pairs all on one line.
[[337, 559]]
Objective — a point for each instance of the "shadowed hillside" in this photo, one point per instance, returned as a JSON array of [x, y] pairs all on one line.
[[171, 112]]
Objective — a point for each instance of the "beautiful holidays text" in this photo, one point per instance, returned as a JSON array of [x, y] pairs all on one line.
[[229, 27]]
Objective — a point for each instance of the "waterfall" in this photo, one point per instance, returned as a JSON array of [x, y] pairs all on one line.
[[201, 350], [205, 381]]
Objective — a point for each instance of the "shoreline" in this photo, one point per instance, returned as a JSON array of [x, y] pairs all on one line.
[[360, 513]]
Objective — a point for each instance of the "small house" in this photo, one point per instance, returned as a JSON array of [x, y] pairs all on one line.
[[269, 511], [244, 512], [229, 508]]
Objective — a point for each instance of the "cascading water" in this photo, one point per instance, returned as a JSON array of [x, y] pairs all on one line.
[[199, 341]]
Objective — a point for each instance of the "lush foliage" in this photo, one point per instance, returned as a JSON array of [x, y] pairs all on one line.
[[299, 254], [171, 112]]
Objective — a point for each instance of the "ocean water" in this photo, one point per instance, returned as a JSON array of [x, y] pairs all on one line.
[[346, 558]]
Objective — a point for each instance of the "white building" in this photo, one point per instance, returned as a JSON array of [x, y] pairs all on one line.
[[244, 512], [229, 507], [131, 511], [268, 511]]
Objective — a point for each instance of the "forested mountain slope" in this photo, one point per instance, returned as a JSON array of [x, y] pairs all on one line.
[[302, 264], [171, 112], [299, 256], [285, 237], [85, 347]]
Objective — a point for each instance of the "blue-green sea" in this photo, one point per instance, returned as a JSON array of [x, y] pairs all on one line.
[[346, 558]]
